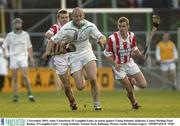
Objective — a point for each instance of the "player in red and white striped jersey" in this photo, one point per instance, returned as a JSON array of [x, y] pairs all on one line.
[[120, 48], [61, 61]]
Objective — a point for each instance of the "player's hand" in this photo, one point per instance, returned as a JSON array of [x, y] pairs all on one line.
[[142, 58], [45, 56], [69, 47], [32, 62], [62, 47], [117, 66]]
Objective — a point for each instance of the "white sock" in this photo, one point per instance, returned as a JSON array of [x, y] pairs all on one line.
[[97, 103]]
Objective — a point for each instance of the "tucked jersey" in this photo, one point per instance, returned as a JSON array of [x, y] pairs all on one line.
[[53, 30], [79, 36], [120, 49], [166, 51], [18, 43]]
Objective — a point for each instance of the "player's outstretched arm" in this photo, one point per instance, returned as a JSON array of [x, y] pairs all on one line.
[[49, 46]]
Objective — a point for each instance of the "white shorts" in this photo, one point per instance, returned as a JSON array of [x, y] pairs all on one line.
[[168, 66], [81, 59], [61, 63], [18, 61], [3, 66], [129, 68]]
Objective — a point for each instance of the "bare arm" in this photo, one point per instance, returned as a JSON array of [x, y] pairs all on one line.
[[30, 51], [5, 53], [116, 65], [102, 42], [49, 46], [137, 53]]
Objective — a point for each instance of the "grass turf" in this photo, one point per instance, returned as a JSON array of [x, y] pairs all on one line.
[[155, 103]]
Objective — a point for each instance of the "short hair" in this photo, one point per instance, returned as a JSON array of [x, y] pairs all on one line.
[[17, 20], [123, 19], [62, 11]]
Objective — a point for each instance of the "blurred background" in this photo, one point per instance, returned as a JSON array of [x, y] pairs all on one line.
[[38, 16]]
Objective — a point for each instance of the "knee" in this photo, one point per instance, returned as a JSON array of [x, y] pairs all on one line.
[[93, 82], [143, 85], [14, 78], [80, 88]]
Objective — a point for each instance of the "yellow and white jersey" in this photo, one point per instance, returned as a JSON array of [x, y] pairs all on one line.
[[166, 51], [18, 43]]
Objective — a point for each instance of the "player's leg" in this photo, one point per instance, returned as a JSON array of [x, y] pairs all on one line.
[[91, 70], [2, 78], [27, 83], [79, 80], [164, 73], [140, 80], [62, 69], [67, 89], [172, 78], [173, 75], [78, 74], [130, 92], [14, 84]]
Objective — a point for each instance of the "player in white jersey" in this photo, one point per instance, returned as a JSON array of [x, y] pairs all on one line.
[[20, 48], [61, 61], [121, 46], [78, 32], [3, 64]]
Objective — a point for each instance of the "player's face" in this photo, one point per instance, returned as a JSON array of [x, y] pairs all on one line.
[[78, 17], [123, 27], [18, 25], [63, 18], [165, 36]]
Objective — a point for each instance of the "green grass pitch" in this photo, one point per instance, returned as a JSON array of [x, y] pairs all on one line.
[[155, 103]]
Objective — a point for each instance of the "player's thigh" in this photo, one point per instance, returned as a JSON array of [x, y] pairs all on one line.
[[79, 80], [140, 79], [65, 79], [61, 64], [23, 61], [164, 67], [126, 84], [15, 74], [91, 70], [24, 71], [14, 62]]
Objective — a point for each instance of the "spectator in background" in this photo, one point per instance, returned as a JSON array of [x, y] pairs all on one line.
[[3, 64], [166, 55]]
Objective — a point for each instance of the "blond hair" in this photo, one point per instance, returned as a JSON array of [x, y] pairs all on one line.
[[62, 11], [123, 19]]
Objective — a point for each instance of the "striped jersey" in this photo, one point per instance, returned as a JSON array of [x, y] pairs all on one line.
[[120, 49], [53, 30]]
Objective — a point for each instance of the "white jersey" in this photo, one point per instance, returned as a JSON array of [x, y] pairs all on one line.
[[18, 43], [80, 37], [3, 61]]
